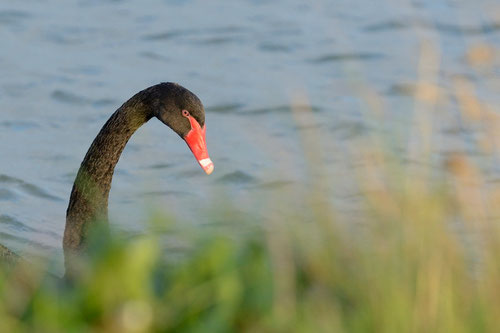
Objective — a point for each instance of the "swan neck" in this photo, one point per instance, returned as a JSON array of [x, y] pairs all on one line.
[[88, 203]]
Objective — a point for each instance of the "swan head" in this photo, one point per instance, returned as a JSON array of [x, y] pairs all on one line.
[[183, 112]]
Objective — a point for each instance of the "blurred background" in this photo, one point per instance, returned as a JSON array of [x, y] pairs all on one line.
[[291, 89]]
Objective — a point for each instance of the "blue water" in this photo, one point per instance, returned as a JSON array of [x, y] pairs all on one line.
[[348, 68]]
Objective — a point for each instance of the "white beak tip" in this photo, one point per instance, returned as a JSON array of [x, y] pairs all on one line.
[[209, 169], [207, 165]]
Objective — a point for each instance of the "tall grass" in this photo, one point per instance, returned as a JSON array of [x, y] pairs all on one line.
[[412, 268], [426, 257]]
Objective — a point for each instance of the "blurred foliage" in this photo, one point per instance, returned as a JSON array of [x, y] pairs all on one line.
[[407, 270]]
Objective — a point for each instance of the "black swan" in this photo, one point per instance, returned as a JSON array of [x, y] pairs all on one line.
[[173, 105]]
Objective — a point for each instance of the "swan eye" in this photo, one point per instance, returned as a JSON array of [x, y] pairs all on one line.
[[185, 113]]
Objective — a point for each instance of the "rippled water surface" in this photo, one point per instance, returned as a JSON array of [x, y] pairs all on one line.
[[67, 65]]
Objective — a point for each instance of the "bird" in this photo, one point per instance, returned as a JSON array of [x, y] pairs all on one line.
[[172, 104]]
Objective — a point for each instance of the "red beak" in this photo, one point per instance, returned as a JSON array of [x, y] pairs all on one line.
[[195, 140]]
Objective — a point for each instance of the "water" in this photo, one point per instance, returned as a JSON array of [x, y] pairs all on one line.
[[66, 66]]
